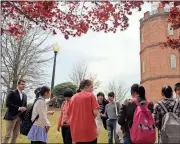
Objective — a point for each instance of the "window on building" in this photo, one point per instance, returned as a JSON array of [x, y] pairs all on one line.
[[143, 67], [170, 30], [173, 61], [142, 36]]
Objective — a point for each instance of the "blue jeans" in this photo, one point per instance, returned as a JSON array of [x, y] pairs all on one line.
[[111, 128], [127, 140]]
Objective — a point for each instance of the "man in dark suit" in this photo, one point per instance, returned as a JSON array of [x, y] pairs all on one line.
[[16, 103]]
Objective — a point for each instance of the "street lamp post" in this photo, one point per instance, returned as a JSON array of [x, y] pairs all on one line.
[[56, 50]]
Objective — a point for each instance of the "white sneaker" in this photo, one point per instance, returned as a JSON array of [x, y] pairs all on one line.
[[121, 141]]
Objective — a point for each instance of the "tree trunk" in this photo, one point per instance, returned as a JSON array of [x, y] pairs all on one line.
[[15, 74], [3, 99], [15, 80]]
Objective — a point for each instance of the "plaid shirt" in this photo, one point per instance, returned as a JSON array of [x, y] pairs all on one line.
[[159, 111]]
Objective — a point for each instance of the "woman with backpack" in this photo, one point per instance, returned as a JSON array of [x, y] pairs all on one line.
[[166, 116], [40, 128], [128, 113], [37, 93]]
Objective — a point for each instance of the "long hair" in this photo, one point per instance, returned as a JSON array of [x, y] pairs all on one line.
[[37, 92], [104, 99], [140, 90], [84, 83]]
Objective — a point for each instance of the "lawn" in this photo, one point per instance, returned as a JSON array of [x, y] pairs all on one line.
[[53, 135]]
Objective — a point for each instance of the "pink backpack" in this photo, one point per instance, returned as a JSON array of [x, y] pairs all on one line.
[[143, 127]]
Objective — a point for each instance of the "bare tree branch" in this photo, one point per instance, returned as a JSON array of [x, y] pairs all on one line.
[[80, 72], [24, 58], [118, 87]]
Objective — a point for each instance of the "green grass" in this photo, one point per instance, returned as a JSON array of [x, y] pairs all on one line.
[[53, 135]]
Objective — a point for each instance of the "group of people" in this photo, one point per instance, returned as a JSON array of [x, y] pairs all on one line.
[[82, 115]]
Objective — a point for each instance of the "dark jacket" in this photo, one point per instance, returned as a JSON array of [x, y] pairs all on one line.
[[13, 102], [105, 102], [125, 118]]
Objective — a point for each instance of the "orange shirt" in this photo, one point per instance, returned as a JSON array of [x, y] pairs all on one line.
[[81, 117], [63, 116]]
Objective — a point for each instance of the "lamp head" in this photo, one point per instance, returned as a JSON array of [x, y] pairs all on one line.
[[56, 48]]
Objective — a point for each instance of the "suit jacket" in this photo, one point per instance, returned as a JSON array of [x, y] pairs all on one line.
[[13, 102]]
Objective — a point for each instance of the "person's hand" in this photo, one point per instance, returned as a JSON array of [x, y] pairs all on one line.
[[58, 128], [22, 109], [102, 115], [65, 124], [51, 112], [47, 128], [53, 99]]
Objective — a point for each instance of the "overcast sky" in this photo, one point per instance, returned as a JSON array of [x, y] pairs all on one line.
[[110, 56]]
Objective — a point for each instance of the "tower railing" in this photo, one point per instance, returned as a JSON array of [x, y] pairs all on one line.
[[153, 12], [167, 9], [158, 11]]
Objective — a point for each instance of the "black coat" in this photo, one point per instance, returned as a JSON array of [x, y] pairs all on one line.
[[13, 102], [105, 102]]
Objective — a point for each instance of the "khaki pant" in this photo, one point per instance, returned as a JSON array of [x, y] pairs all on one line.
[[12, 130]]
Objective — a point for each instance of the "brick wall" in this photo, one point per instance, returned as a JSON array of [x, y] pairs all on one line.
[[153, 88], [158, 71]]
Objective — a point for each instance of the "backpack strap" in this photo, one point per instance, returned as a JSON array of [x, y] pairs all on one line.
[[32, 109], [117, 106], [136, 101], [163, 107], [147, 103], [35, 118], [159, 136], [175, 106], [138, 104]]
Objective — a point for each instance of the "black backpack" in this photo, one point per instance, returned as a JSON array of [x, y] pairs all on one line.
[[26, 123]]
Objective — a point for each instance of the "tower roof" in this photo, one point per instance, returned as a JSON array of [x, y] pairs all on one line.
[[154, 6]]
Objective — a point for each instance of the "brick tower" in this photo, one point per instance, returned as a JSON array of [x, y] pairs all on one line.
[[158, 66]]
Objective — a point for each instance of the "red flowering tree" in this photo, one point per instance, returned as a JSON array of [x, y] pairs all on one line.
[[70, 18], [75, 18], [174, 19]]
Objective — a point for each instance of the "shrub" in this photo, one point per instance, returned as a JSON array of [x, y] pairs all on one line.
[[29, 105]]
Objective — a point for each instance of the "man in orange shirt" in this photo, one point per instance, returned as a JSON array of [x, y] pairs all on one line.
[[63, 121]]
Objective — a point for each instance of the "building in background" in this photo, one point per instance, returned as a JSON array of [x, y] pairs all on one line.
[[158, 66]]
